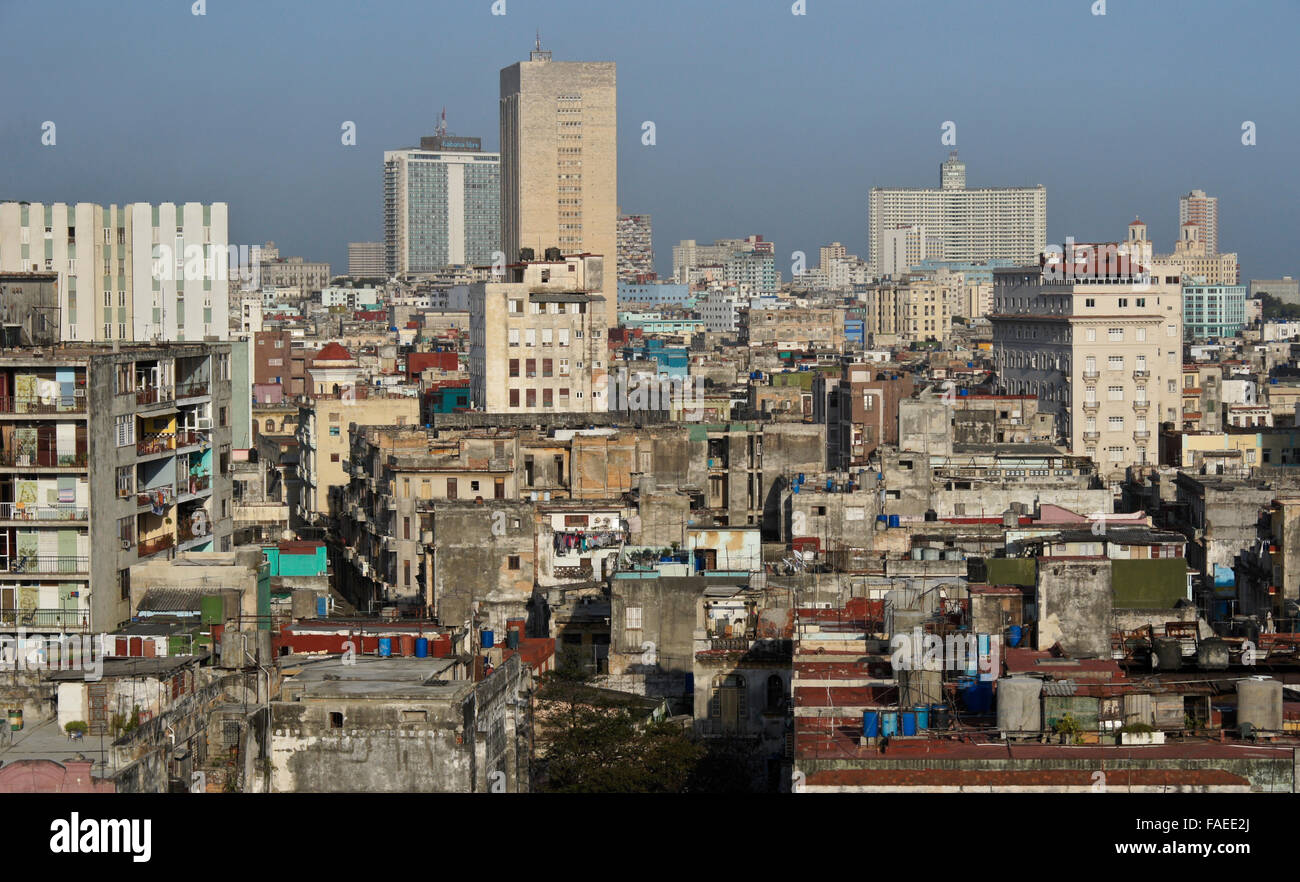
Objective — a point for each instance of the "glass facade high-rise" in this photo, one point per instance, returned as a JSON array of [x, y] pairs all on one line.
[[442, 206]]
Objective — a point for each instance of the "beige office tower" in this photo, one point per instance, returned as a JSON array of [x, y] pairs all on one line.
[[559, 159], [1197, 208]]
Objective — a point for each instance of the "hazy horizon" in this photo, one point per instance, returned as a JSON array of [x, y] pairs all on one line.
[[766, 122]]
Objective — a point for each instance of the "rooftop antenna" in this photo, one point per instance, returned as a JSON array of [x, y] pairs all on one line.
[[442, 124]]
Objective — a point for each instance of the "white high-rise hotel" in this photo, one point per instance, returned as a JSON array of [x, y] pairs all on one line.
[[965, 224], [134, 272]]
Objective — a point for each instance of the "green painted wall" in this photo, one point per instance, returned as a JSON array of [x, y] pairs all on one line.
[[1148, 584], [1022, 571]]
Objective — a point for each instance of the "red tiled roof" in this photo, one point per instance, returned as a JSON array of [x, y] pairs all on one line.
[[333, 352]]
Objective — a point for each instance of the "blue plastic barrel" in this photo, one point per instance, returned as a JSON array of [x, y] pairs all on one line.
[[322, 607], [922, 716], [884, 519], [895, 521], [489, 638], [421, 647], [385, 647], [1013, 638], [889, 723], [830, 484], [909, 722], [870, 724]]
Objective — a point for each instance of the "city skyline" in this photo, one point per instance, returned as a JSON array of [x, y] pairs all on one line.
[[724, 122]]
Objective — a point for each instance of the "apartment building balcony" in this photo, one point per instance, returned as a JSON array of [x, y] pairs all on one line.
[[156, 497], [1091, 375], [190, 438], [43, 459], [59, 512], [1141, 406], [196, 485], [51, 564], [1141, 374], [1141, 435], [1091, 436], [155, 544], [46, 619], [153, 399], [58, 404], [156, 444], [193, 389], [194, 529], [1091, 406]]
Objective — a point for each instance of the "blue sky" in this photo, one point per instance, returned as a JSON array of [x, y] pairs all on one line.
[[766, 122]]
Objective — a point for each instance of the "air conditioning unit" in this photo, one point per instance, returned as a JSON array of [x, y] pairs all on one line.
[[126, 544], [78, 393], [205, 423]]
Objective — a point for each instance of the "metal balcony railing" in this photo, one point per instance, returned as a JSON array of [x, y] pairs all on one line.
[[155, 544], [146, 395], [42, 458], [156, 496], [18, 511], [192, 389], [55, 404], [46, 563], [63, 619], [161, 442]]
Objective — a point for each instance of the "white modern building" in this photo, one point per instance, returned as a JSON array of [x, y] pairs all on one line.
[[967, 223], [135, 272], [442, 205]]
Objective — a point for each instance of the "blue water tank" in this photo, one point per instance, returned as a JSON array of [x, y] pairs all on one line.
[[908, 719], [801, 477], [489, 638], [421, 647], [889, 723], [385, 647], [1014, 635], [830, 485], [922, 716], [895, 521], [964, 392], [870, 724], [796, 488], [977, 696], [322, 607], [883, 519]]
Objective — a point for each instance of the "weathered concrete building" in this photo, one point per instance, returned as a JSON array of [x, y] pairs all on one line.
[[108, 458], [406, 725]]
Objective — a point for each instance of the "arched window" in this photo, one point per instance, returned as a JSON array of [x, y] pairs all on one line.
[[270, 425], [775, 693]]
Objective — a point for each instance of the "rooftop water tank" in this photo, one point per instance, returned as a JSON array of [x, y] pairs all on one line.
[[1259, 703], [1018, 705]]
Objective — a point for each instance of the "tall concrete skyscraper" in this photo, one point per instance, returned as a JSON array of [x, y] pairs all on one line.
[[559, 159], [1197, 208]]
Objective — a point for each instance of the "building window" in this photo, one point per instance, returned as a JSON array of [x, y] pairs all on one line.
[[512, 562], [632, 618], [775, 693]]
